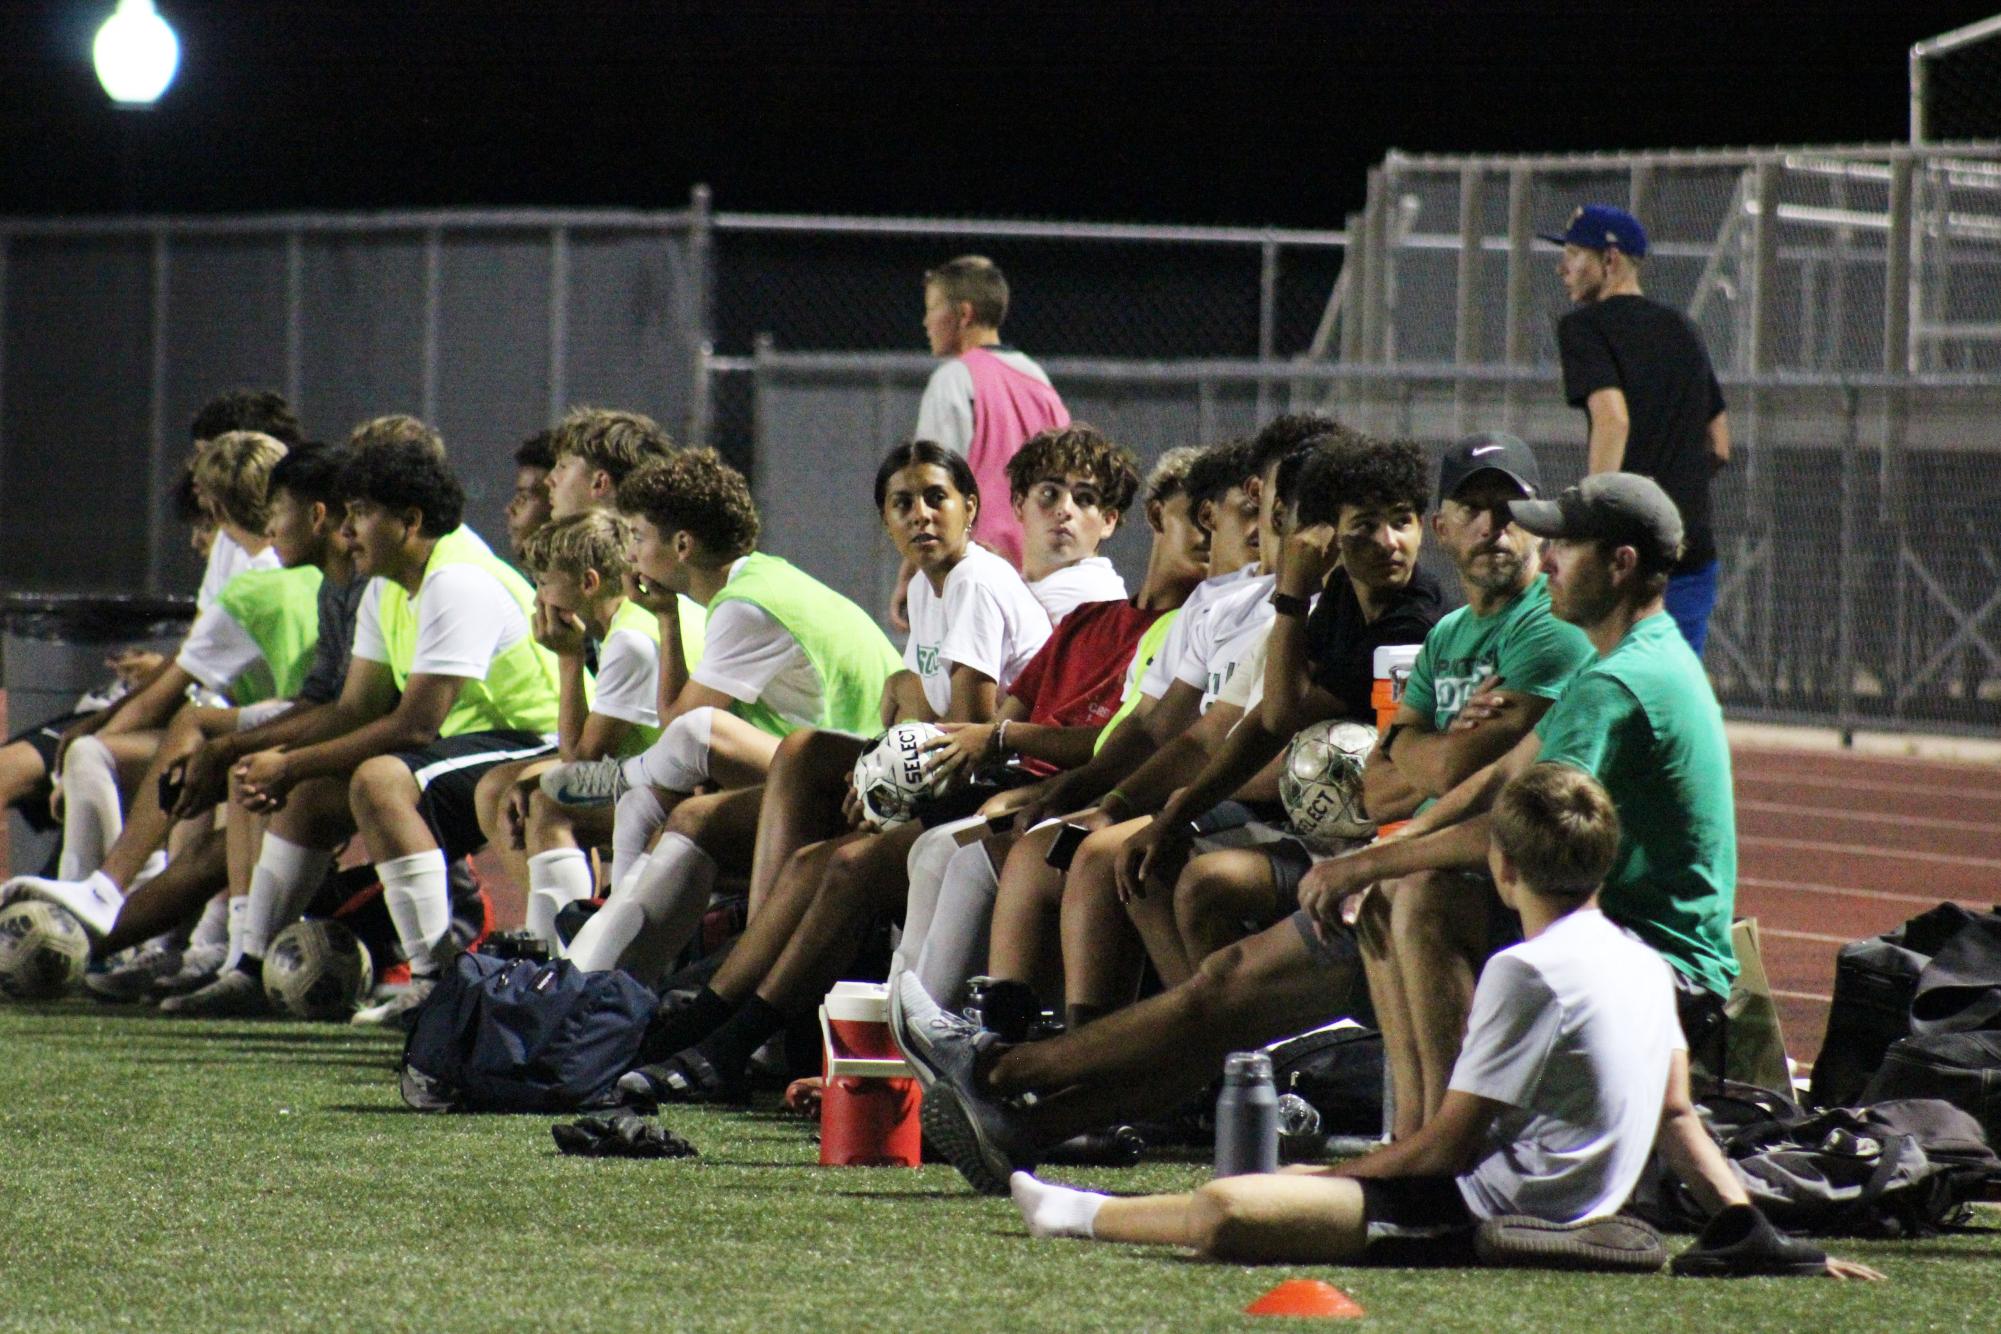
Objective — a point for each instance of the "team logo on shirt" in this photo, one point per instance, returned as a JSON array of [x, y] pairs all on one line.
[[1452, 688], [927, 659]]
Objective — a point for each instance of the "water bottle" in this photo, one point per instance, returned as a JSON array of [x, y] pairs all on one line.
[[1246, 1116]]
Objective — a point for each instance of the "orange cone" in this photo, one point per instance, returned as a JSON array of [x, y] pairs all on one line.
[[1306, 1297]]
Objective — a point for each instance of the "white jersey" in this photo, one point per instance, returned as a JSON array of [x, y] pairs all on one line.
[[1092, 579], [1573, 1031], [226, 560], [986, 619], [749, 655], [1160, 674], [945, 414], [465, 619], [628, 679], [217, 650]]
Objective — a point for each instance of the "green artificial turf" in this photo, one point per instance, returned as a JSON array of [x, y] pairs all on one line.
[[248, 1175]]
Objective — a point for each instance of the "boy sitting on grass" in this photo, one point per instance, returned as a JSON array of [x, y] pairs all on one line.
[[1573, 1067]]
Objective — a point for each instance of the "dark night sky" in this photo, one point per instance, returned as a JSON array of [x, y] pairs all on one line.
[[1242, 113]]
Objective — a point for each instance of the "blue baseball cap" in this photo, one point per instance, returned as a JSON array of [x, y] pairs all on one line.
[[1600, 226]]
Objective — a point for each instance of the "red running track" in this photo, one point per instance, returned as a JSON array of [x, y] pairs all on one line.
[[1833, 846]]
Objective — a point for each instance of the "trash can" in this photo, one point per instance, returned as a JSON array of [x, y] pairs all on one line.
[[52, 650]]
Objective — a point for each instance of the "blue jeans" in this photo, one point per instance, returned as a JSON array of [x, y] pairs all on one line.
[[1690, 599]]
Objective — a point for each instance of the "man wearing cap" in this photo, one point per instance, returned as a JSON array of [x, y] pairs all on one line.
[[1640, 372], [1641, 719], [1506, 647]]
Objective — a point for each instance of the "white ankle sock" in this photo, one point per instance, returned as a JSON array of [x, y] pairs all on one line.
[[155, 863], [238, 913], [1055, 1211], [556, 879], [419, 899], [280, 888], [213, 928], [635, 820], [92, 814]]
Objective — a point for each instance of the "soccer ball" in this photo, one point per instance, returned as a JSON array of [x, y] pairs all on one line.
[[892, 773], [316, 969], [1321, 784], [43, 951]]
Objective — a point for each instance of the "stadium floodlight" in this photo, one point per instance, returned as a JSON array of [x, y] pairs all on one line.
[[136, 54]]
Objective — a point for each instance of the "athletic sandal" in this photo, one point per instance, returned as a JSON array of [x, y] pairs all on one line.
[[684, 1077], [1740, 1242], [1616, 1244]]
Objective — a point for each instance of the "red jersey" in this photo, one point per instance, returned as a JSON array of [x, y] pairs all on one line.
[[1077, 678]]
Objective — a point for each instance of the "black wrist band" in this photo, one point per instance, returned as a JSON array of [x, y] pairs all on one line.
[[1285, 604]]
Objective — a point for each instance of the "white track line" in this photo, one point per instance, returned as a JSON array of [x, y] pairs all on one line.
[[1878, 817], [1859, 757], [1864, 785], [1803, 996], [1849, 891], [1864, 850]]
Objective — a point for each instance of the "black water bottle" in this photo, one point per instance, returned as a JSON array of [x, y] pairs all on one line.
[[1246, 1116]]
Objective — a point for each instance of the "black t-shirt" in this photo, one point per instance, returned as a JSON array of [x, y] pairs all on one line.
[[338, 606], [1654, 355], [1341, 646]]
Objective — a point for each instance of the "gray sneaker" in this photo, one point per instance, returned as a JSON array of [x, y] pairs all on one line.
[[199, 966], [135, 977], [397, 1009], [233, 995], [1618, 1244], [975, 1131], [586, 782]]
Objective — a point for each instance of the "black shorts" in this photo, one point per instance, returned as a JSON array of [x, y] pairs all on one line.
[[44, 737], [448, 773], [1414, 1221], [1702, 1026]]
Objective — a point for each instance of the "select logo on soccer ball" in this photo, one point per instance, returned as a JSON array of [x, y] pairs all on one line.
[[1321, 785], [892, 773]]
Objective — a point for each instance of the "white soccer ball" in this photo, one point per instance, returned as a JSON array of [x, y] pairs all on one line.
[[1321, 784], [892, 773], [43, 951], [316, 969]]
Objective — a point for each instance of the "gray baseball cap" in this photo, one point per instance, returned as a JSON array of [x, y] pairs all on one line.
[[1619, 507], [1490, 451]]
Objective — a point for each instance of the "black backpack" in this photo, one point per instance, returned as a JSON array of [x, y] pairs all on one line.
[[1963, 1069], [1903, 1168], [1337, 1068], [514, 1035], [1875, 981]]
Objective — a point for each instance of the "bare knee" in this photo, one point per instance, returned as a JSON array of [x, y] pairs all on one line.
[[1217, 1221], [383, 783], [1374, 925], [1209, 996], [546, 820], [1200, 893], [690, 818]]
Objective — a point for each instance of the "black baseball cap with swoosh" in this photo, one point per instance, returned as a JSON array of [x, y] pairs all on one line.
[[1490, 451]]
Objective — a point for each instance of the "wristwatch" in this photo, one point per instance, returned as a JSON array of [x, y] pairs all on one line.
[[1285, 604]]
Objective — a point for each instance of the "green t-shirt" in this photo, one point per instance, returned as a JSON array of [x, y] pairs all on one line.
[[1644, 722], [1523, 643]]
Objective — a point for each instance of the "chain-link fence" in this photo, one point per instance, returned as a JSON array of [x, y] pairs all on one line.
[[1851, 298]]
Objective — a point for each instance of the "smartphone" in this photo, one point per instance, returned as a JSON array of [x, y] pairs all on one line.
[[1064, 850]]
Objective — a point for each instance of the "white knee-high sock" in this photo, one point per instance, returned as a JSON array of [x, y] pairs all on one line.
[[660, 908], [555, 878], [679, 760], [419, 900], [635, 820], [955, 946], [92, 814], [280, 888], [239, 921], [213, 928], [929, 856]]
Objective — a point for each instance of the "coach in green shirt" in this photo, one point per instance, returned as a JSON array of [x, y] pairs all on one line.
[[1642, 720]]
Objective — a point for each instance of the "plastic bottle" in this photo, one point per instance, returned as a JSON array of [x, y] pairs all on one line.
[[1246, 1116]]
